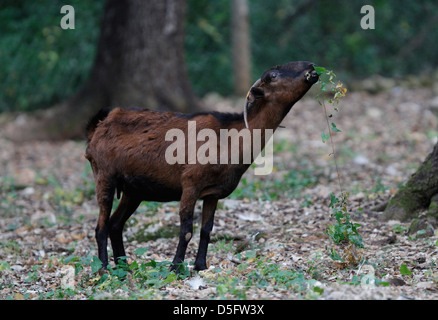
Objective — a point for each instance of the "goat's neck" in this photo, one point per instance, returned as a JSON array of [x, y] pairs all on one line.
[[267, 116]]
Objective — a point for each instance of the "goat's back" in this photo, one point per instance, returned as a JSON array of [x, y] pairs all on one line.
[[129, 147]]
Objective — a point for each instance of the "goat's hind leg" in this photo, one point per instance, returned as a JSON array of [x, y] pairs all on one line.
[[125, 209], [105, 196]]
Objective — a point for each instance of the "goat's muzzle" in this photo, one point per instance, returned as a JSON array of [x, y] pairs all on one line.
[[312, 76]]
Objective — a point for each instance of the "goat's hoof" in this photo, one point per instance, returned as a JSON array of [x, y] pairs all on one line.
[[178, 268], [174, 267], [200, 266], [102, 271]]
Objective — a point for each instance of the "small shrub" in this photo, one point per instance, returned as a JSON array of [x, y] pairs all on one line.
[[343, 232]]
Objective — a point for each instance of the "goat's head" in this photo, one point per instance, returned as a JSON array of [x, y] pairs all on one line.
[[284, 84]]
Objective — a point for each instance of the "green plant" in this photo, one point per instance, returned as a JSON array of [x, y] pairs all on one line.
[[327, 85], [126, 280], [326, 80], [9, 196], [398, 228], [259, 273], [229, 285], [290, 184], [404, 271], [32, 276], [222, 245], [271, 274], [344, 232]]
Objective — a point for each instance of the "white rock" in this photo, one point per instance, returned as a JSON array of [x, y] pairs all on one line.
[[67, 277], [425, 285], [360, 160], [17, 268], [28, 191], [231, 204], [249, 216], [392, 223], [196, 283]]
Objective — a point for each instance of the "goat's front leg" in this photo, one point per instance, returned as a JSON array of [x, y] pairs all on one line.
[[188, 201], [208, 210]]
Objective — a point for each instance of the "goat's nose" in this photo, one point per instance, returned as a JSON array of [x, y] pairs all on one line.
[[312, 76]]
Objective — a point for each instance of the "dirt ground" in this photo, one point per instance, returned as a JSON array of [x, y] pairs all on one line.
[[48, 211]]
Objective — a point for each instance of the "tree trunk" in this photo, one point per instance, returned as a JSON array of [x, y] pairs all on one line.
[[139, 62], [419, 193], [241, 47]]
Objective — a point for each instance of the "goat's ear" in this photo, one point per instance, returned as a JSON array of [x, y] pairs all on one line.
[[253, 93]]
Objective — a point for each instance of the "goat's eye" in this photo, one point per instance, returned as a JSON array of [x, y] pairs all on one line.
[[274, 75]]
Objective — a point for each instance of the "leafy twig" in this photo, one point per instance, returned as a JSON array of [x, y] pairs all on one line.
[[344, 232]]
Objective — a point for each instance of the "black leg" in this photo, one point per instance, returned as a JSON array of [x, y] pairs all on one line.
[[102, 242], [188, 202], [105, 196], [126, 208], [208, 210]]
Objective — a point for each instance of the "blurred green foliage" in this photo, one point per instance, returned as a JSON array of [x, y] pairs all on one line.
[[41, 64]]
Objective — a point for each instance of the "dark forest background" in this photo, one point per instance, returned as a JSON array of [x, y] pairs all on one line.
[[41, 64]]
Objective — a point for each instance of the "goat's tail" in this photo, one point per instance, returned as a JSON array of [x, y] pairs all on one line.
[[93, 122]]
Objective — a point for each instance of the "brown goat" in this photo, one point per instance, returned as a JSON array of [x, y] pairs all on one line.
[[126, 149]]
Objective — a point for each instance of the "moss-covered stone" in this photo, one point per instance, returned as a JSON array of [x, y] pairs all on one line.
[[433, 208], [422, 228]]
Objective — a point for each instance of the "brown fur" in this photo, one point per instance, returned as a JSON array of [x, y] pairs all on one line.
[[126, 149]]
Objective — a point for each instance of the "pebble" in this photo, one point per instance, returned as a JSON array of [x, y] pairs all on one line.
[[426, 285], [17, 268]]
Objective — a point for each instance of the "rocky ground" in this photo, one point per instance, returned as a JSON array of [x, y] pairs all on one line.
[[272, 228]]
